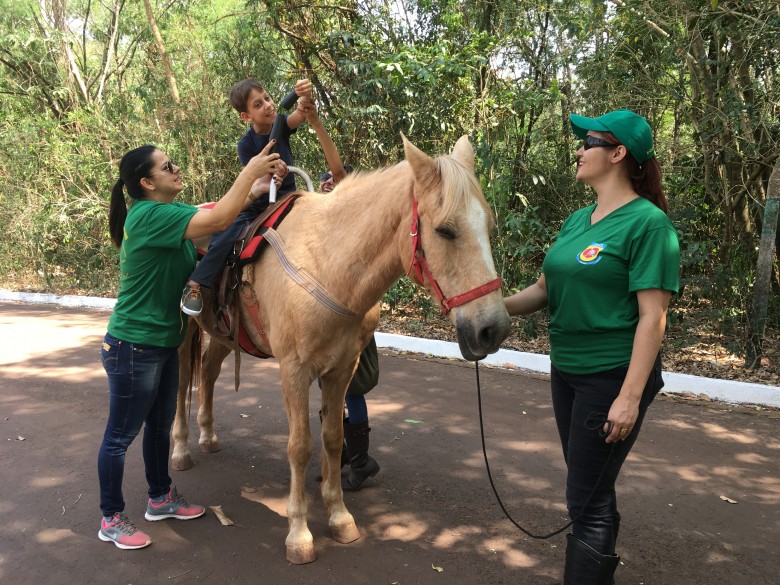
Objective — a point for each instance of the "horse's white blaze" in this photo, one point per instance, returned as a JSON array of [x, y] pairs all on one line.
[[478, 220]]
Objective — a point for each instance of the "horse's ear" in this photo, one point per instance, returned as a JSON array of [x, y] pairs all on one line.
[[464, 152], [423, 167]]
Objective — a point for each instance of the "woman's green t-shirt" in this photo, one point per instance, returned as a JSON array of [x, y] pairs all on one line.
[[154, 263], [592, 274]]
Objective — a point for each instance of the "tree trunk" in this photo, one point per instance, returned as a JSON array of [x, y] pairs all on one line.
[[757, 321], [54, 16], [108, 50], [166, 62]]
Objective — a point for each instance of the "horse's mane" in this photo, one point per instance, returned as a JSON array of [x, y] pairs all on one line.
[[457, 185]]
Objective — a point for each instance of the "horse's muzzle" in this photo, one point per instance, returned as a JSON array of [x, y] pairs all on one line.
[[477, 338]]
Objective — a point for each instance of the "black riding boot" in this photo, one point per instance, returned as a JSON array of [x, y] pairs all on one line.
[[344, 458], [361, 464], [615, 530], [586, 566]]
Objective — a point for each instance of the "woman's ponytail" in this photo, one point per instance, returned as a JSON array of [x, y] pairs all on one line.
[[117, 213], [134, 166], [646, 181]]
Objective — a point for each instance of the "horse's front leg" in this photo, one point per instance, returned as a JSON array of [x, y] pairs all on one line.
[[295, 387], [342, 524], [188, 350], [212, 365]]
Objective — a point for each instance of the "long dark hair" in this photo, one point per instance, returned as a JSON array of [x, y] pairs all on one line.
[[134, 166], [645, 179]]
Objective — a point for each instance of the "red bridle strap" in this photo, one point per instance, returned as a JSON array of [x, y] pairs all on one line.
[[421, 271]]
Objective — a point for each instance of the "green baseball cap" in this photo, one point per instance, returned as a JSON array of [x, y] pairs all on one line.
[[631, 129]]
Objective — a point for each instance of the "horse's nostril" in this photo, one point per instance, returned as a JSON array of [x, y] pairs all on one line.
[[492, 335], [489, 337]]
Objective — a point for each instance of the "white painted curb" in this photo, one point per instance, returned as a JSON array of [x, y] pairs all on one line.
[[725, 390]]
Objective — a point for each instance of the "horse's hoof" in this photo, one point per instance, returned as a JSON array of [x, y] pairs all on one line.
[[300, 555], [182, 463], [210, 447], [345, 533]]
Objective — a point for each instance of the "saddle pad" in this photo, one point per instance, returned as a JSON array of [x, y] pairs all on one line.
[[271, 217], [254, 242], [251, 243]]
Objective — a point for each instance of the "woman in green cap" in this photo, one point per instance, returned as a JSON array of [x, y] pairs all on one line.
[[607, 281]]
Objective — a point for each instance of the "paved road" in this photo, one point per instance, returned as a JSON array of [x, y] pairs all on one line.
[[431, 505]]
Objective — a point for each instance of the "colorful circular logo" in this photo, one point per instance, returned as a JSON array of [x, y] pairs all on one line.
[[590, 255]]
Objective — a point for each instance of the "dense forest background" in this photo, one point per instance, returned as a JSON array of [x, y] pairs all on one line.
[[82, 81]]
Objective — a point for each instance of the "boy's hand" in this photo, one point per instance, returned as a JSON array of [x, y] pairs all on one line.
[[264, 163], [281, 170], [311, 115], [260, 186], [303, 88], [309, 111]]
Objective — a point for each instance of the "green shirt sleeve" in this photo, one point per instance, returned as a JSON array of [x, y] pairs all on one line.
[[655, 260], [166, 224]]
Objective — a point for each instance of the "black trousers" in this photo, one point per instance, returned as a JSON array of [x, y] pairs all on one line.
[[577, 401]]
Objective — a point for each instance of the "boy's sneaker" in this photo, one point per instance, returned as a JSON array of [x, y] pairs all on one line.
[[191, 301], [122, 533], [172, 506]]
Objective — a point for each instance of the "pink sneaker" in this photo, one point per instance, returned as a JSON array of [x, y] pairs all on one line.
[[123, 533], [172, 506]]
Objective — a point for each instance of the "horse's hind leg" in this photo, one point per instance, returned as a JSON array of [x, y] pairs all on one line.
[[212, 365], [181, 458]]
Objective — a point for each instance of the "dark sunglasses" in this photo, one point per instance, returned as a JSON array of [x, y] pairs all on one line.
[[167, 167], [594, 142]]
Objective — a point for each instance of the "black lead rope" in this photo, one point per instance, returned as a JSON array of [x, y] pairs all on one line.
[[595, 422]]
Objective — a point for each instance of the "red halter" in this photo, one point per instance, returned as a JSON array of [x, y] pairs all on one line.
[[421, 271]]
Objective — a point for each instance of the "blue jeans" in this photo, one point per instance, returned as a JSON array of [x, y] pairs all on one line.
[[210, 268], [576, 399], [356, 407], [142, 383]]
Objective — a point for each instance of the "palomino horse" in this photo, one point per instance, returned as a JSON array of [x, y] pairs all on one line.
[[357, 241]]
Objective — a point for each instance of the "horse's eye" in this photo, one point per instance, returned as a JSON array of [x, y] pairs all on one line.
[[445, 232]]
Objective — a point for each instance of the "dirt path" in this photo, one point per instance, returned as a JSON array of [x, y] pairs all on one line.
[[431, 505]]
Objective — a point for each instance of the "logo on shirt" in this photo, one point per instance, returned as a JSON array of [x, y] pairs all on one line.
[[590, 255]]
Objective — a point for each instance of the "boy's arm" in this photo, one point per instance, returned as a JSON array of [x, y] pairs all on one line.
[[298, 117], [244, 152], [332, 158]]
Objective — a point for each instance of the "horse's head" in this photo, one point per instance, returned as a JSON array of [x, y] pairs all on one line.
[[454, 261]]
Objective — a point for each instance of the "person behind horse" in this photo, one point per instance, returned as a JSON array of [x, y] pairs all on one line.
[[356, 430], [140, 349], [255, 107], [607, 281]]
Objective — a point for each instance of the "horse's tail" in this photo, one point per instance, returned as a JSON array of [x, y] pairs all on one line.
[[196, 361]]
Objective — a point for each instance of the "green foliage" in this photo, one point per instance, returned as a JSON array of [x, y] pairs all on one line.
[[76, 93]]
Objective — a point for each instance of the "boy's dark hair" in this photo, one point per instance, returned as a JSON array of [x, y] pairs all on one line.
[[239, 93]]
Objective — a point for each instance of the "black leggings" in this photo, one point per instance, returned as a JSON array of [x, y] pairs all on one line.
[[577, 398]]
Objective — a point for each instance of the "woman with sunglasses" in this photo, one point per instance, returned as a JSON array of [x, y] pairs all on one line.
[[607, 281], [140, 349]]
